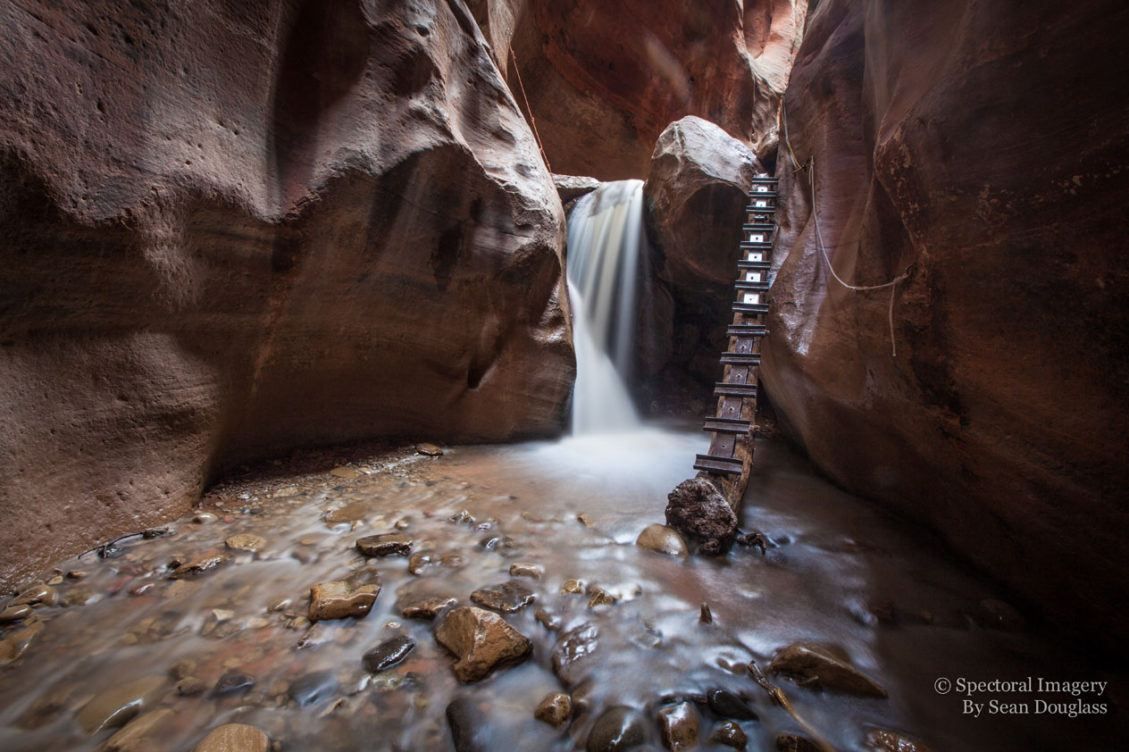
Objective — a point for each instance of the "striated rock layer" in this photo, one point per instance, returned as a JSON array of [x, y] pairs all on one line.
[[981, 146], [229, 228], [604, 79]]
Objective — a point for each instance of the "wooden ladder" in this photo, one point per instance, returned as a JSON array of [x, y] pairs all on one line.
[[730, 456]]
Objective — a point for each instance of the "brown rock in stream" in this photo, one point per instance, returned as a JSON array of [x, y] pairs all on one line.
[[618, 728], [697, 509], [729, 734], [234, 737], [570, 651], [388, 654], [663, 539], [424, 607], [508, 597], [678, 725], [482, 642], [554, 710], [115, 706], [339, 600], [885, 740], [385, 544], [825, 667], [246, 542], [14, 643], [199, 564], [143, 734]]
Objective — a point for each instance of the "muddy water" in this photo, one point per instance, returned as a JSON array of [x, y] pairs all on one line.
[[840, 573]]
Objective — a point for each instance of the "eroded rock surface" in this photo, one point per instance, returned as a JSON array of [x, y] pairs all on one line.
[[697, 509], [237, 227], [940, 147], [481, 640]]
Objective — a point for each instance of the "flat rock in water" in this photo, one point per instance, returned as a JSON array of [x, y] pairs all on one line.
[[234, 737], [246, 542], [525, 569], [570, 650], [143, 734], [313, 688], [481, 640], [618, 728], [678, 725], [233, 683], [726, 704], [554, 710], [337, 600], [825, 667], [729, 734], [388, 654], [385, 544], [424, 607], [198, 565], [15, 613], [697, 509], [429, 450], [663, 539], [116, 706], [508, 597]]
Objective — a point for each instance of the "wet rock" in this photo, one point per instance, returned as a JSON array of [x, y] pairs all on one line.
[[346, 473], [500, 543], [729, 734], [233, 683], [246, 542], [662, 539], [204, 518], [198, 565], [143, 734], [385, 544], [16, 643], [618, 728], [429, 450], [388, 654], [697, 509], [726, 704], [788, 742], [190, 686], [571, 649], [468, 731], [678, 725], [422, 560], [481, 640], [15, 613], [824, 667], [526, 569], [338, 600], [705, 614], [424, 607], [885, 740], [571, 187], [117, 705], [598, 596], [313, 688], [234, 737], [37, 595], [547, 619], [554, 710], [507, 597], [586, 519], [574, 587]]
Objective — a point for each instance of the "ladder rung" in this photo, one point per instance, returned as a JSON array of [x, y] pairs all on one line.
[[763, 194], [746, 330], [727, 425], [722, 389], [754, 286], [746, 264], [711, 464], [758, 226], [741, 359], [765, 181], [750, 307], [749, 245]]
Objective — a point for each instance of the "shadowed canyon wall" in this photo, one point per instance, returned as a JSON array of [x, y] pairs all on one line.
[[228, 228], [604, 79], [983, 146]]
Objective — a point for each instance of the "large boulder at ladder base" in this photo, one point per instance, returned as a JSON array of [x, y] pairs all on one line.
[[602, 79], [696, 193], [698, 510], [961, 148], [231, 228]]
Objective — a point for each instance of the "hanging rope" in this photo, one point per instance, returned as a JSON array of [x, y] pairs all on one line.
[[892, 284], [529, 110]]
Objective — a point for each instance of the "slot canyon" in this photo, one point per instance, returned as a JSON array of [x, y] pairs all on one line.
[[488, 375]]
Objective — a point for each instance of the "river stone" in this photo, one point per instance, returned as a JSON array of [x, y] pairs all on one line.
[[40, 594], [789, 742], [246, 542], [526, 569], [424, 607], [388, 654], [678, 725], [428, 449], [662, 539], [15, 643], [884, 740], [570, 650], [508, 597], [234, 737], [697, 509], [338, 600], [312, 688], [385, 544], [233, 683], [729, 734], [618, 728], [555, 709], [204, 562], [825, 667], [726, 704], [15, 613], [143, 734], [117, 705], [468, 731], [481, 640]]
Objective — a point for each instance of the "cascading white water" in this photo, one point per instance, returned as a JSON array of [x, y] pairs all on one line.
[[605, 233]]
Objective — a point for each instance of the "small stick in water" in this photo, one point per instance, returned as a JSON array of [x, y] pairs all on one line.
[[706, 616]]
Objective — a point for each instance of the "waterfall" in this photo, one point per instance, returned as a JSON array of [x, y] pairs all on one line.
[[605, 233]]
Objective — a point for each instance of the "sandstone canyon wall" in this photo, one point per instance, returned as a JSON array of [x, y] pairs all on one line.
[[604, 79], [231, 227], [983, 146]]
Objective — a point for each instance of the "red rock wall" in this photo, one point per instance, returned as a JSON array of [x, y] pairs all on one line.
[[228, 228], [983, 145], [604, 79]]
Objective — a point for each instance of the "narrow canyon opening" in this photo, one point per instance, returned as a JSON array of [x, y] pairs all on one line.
[[562, 374]]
